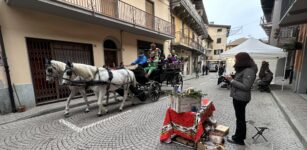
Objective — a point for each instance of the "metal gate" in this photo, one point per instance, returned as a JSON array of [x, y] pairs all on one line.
[[38, 50]]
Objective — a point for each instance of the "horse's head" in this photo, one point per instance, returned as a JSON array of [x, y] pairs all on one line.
[[68, 73], [51, 71]]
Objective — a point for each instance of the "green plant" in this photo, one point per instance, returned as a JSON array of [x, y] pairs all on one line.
[[292, 46], [189, 93]]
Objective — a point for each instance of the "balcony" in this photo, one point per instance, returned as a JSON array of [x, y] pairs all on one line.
[[111, 13], [293, 12], [266, 26], [287, 35], [185, 41], [186, 11]]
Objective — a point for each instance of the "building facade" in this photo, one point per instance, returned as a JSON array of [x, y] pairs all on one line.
[[189, 18], [288, 19], [95, 32], [219, 34]]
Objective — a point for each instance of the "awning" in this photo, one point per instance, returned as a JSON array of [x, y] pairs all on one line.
[[296, 14]]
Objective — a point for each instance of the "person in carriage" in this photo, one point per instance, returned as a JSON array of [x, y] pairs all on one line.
[[141, 60], [172, 58], [153, 60]]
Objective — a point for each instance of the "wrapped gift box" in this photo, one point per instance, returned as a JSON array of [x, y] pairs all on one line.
[[222, 129]]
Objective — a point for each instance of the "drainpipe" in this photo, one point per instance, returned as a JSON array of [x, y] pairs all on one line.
[[121, 45], [7, 72]]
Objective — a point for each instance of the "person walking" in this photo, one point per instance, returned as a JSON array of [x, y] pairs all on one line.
[[241, 85], [204, 69], [207, 69], [197, 69], [221, 70]]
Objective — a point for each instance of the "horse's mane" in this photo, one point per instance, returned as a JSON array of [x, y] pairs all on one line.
[[59, 66], [85, 71]]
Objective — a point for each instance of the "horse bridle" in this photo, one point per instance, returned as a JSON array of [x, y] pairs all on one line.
[[72, 72], [54, 76]]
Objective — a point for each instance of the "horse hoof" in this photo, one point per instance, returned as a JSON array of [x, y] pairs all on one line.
[[120, 110], [107, 111], [86, 111], [99, 115]]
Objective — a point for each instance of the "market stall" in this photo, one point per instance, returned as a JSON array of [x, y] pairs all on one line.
[[189, 121], [187, 124], [259, 51]]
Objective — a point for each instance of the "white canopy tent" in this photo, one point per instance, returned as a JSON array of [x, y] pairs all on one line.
[[259, 51]]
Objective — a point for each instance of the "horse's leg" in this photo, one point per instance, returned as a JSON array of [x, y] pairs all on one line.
[[102, 93], [124, 98], [115, 97], [71, 95], [82, 91], [108, 96]]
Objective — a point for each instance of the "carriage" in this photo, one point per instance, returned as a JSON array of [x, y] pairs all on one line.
[[101, 81], [165, 73]]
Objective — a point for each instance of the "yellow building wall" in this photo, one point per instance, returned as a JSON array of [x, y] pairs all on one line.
[[212, 31], [18, 23]]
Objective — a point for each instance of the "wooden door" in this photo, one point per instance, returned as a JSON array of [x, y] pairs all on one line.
[[110, 58], [109, 7], [149, 8]]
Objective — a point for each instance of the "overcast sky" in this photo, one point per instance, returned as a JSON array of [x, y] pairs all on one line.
[[237, 13]]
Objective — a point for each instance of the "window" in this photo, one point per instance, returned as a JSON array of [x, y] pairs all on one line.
[[218, 40], [149, 7], [218, 51], [219, 30]]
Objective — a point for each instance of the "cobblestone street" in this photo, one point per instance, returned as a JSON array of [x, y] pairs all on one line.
[[138, 127]]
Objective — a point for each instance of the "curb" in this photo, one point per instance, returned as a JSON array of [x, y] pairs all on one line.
[[55, 109], [60, 108], [294, 123]]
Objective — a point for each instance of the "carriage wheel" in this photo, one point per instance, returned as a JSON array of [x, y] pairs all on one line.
[[177, 81], [154, 91]]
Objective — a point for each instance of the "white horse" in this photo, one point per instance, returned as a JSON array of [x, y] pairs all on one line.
[[54, 70], [112, 80]]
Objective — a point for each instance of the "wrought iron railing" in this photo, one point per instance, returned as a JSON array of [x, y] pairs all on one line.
[[288, 32], [263, 21], [186, 40], [124, 12], [190, 8]]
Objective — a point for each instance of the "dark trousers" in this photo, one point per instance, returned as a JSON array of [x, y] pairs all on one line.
[[239, 107]]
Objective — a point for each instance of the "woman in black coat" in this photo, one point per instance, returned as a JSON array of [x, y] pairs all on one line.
[[241, 85]]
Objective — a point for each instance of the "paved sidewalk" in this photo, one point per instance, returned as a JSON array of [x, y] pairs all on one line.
[[294, 108], [54, 107]]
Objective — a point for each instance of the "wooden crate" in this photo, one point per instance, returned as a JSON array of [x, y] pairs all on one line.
[[184, 104]]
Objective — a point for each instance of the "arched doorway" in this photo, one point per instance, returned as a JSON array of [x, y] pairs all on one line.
[[110, 53]]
